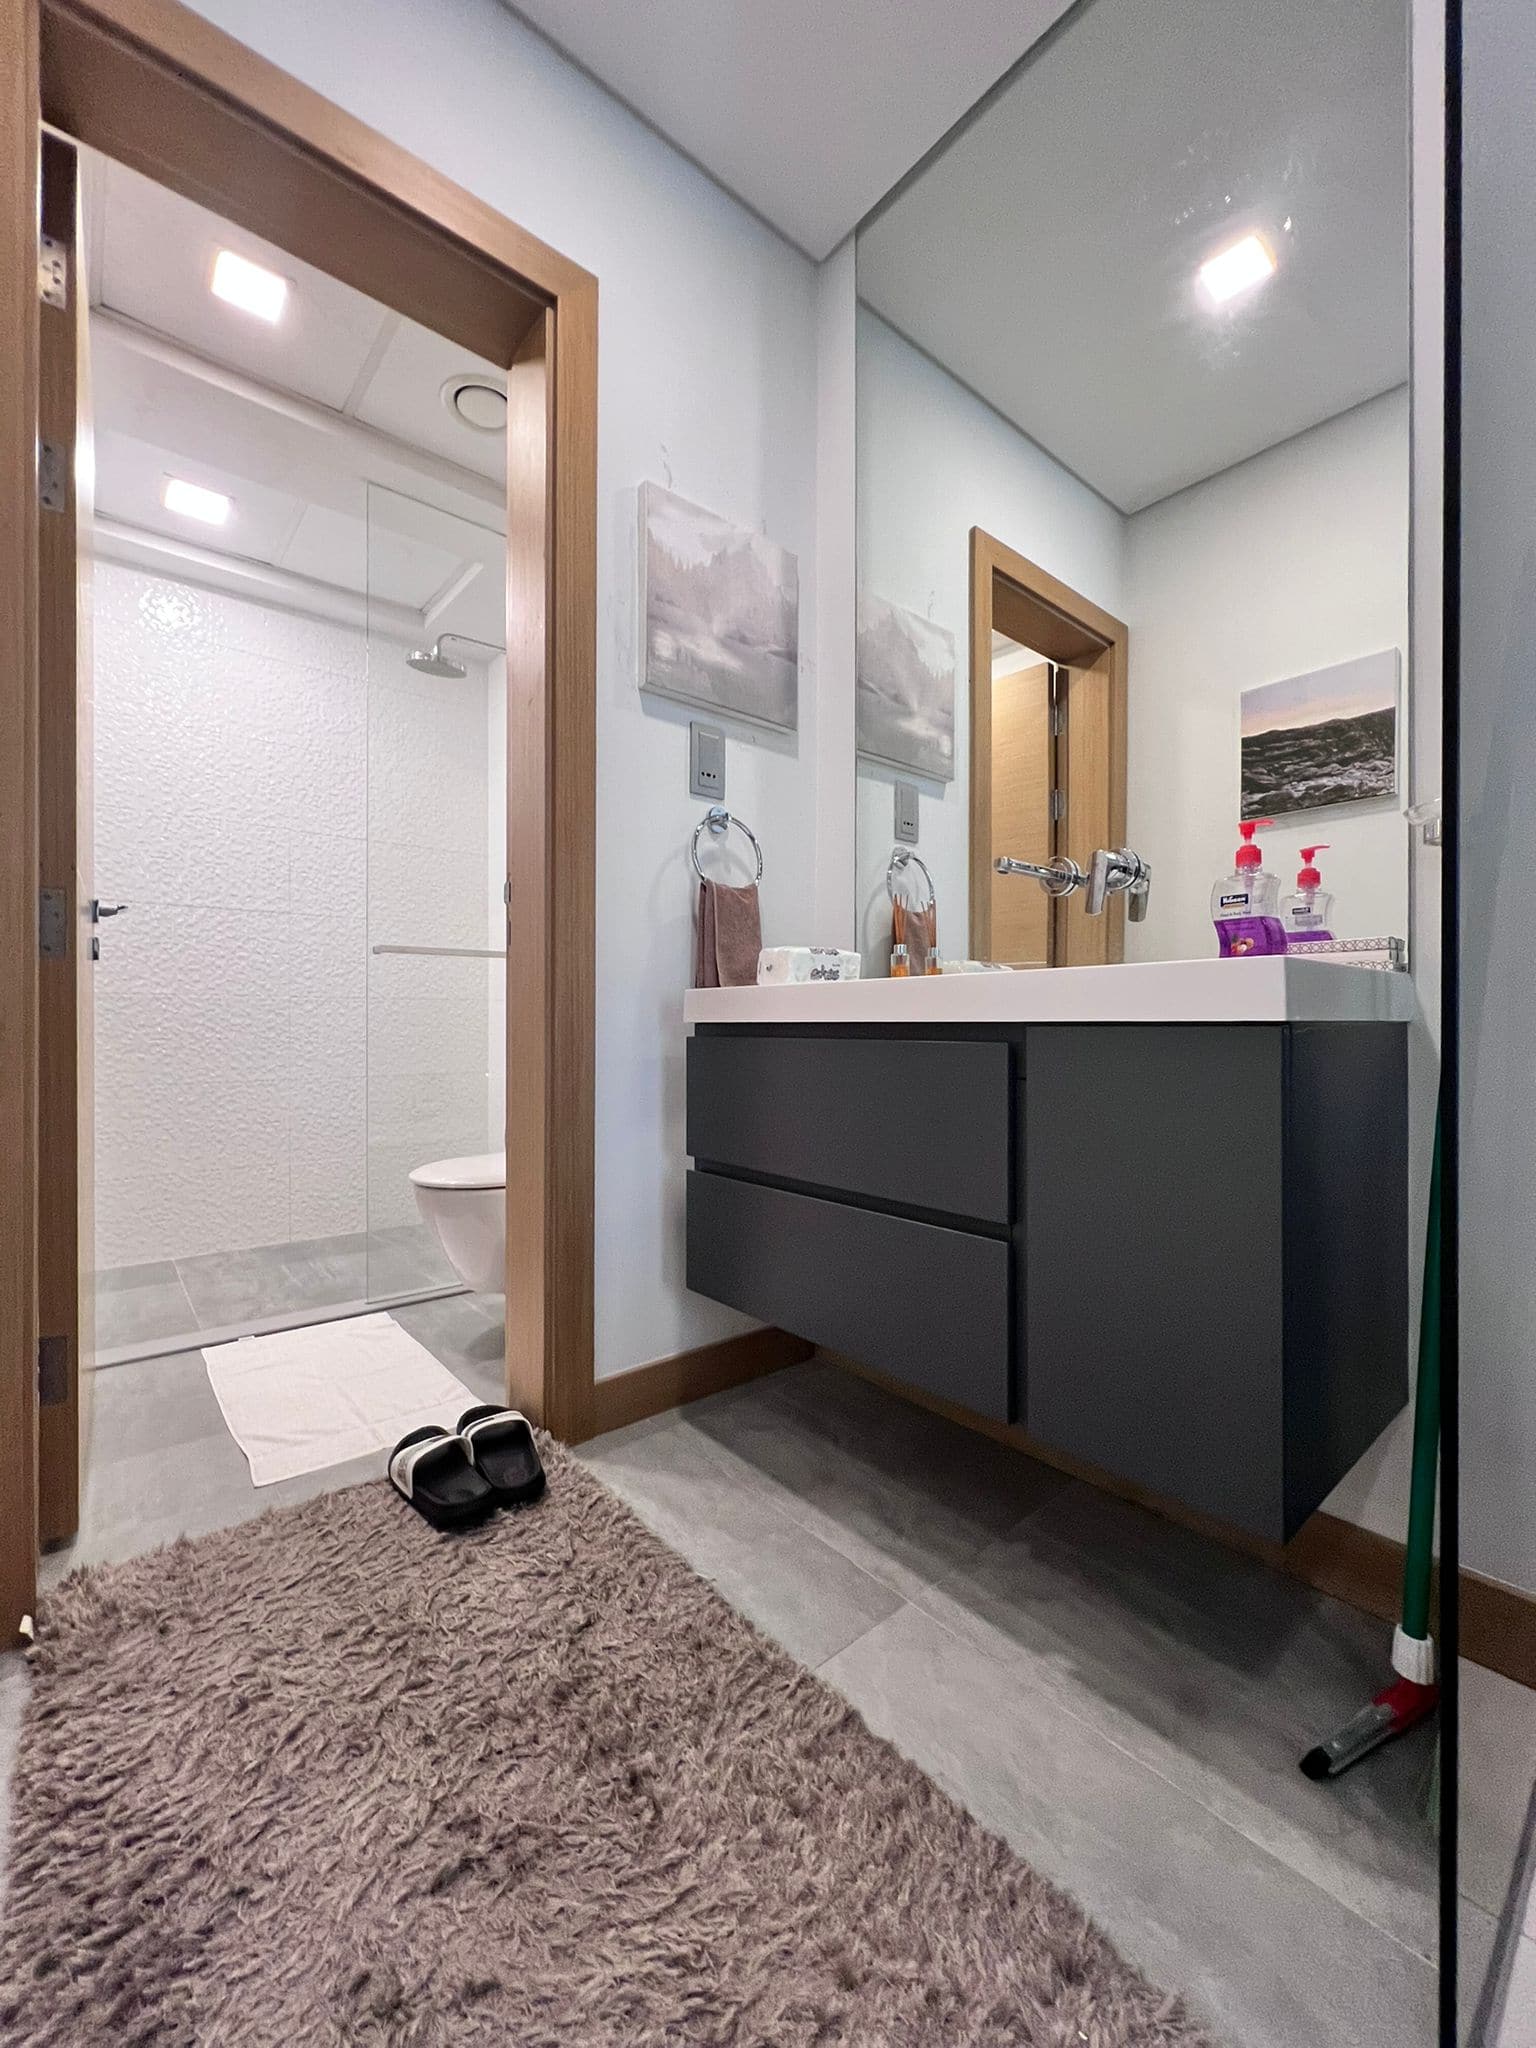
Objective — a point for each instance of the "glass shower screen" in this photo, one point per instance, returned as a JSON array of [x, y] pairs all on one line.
[[435, 854]]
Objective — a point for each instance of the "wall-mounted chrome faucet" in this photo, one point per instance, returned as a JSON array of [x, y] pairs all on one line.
[[1058, 877], [1115, 874], [1109, 874]]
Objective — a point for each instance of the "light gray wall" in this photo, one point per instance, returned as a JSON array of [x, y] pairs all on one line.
[[1498, 796]]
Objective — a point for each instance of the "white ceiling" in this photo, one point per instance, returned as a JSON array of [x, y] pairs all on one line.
[[1048, 258], [808, 111], [348, 474]]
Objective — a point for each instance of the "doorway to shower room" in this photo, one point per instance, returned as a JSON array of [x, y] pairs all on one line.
[[299, 770]]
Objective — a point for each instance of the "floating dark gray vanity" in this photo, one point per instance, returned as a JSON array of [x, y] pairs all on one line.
[[1155, 1215]]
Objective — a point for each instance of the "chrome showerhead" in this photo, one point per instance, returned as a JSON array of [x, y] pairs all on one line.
[[431, 661]]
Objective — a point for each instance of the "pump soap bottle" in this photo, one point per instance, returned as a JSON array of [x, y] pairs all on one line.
[[1245, 905], [1308, 913]]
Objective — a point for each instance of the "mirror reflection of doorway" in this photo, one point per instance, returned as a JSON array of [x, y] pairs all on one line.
[[1026, 799], [1047, 776]]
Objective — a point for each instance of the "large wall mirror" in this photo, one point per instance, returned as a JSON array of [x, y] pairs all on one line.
[[1133, 474]]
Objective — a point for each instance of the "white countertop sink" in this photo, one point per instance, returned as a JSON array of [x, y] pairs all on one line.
[[1272, 990]]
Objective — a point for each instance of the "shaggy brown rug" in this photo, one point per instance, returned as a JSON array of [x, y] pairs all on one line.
[[330, 1777]]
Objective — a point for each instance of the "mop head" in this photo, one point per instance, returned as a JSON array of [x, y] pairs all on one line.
[[1393, 1712]]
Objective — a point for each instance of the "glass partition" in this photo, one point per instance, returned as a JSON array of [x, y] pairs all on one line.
[[435, 767]]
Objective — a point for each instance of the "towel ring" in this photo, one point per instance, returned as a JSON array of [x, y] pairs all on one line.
[[718, 821], [902, 857]]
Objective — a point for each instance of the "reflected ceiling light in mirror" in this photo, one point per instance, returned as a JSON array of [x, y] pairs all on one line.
[[239, 282], [1236, 269], [192, 501]]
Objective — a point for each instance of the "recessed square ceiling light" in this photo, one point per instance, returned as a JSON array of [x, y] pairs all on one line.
[[193, 502], [247, 285], [1237, 269]]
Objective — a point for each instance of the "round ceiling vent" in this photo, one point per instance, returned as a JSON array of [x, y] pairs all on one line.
[[478, 401]]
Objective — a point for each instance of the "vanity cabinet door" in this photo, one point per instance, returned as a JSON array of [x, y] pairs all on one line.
[[1153, 1262]]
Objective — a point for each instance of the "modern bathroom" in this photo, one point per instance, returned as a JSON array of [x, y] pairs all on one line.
[[771, 1282]]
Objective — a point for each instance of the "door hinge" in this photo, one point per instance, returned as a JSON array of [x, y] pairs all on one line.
[[52, 1371], [53, 924], [52, 476], [1058, 805], [53, 273], [1058, 720]]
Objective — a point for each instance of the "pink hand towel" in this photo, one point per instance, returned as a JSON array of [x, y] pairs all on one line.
[[730, 935]]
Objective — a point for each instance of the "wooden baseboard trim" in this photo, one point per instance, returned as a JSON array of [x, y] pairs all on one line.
[[689, 1375], [1497, 1623]]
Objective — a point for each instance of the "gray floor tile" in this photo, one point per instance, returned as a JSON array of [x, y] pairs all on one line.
[[903, 1494], [154, 1402], [1479, 1991], [1516, 2023], [465, 1332], [141, 1305], [808, 1597], [140, 1502], [1497, 1740], [1263, 1955], [1217, 1673]]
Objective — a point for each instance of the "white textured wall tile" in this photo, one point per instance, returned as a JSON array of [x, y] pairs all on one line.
[[426, 737], [328, 1076], [424, 893], [191, 1074], [243, 760], [426, 1015]]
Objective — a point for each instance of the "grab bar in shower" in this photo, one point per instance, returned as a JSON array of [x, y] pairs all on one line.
[[448, 952]]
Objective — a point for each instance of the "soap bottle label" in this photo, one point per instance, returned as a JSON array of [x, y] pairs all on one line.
[[1243, 937]]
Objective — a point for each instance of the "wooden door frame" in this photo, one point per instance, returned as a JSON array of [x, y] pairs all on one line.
[[65, 988], [159, 88], [1015, 596]]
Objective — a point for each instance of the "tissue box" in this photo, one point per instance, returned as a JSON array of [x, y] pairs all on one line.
[[786, 964]]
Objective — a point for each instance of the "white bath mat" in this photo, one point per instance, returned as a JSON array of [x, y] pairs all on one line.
[[304, 1399]]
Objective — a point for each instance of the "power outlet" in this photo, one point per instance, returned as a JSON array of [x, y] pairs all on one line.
[[906, 813], [706, 762]]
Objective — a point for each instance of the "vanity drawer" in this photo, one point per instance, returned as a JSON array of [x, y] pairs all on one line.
[[925, 1123], [925, 1303]]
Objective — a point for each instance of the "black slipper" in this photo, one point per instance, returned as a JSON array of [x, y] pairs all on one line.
[[500, 1441], [434, 1471]]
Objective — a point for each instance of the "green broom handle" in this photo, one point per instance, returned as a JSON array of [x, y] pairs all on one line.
[[1418, 1562]]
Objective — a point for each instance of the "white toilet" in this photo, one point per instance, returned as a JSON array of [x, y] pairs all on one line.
[[465, 1201]]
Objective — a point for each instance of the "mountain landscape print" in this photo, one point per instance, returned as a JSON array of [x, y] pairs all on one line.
[[722, 613], [1328, 737], [904, 690]]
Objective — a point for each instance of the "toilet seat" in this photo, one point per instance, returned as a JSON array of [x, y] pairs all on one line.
[[477, 1170]]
